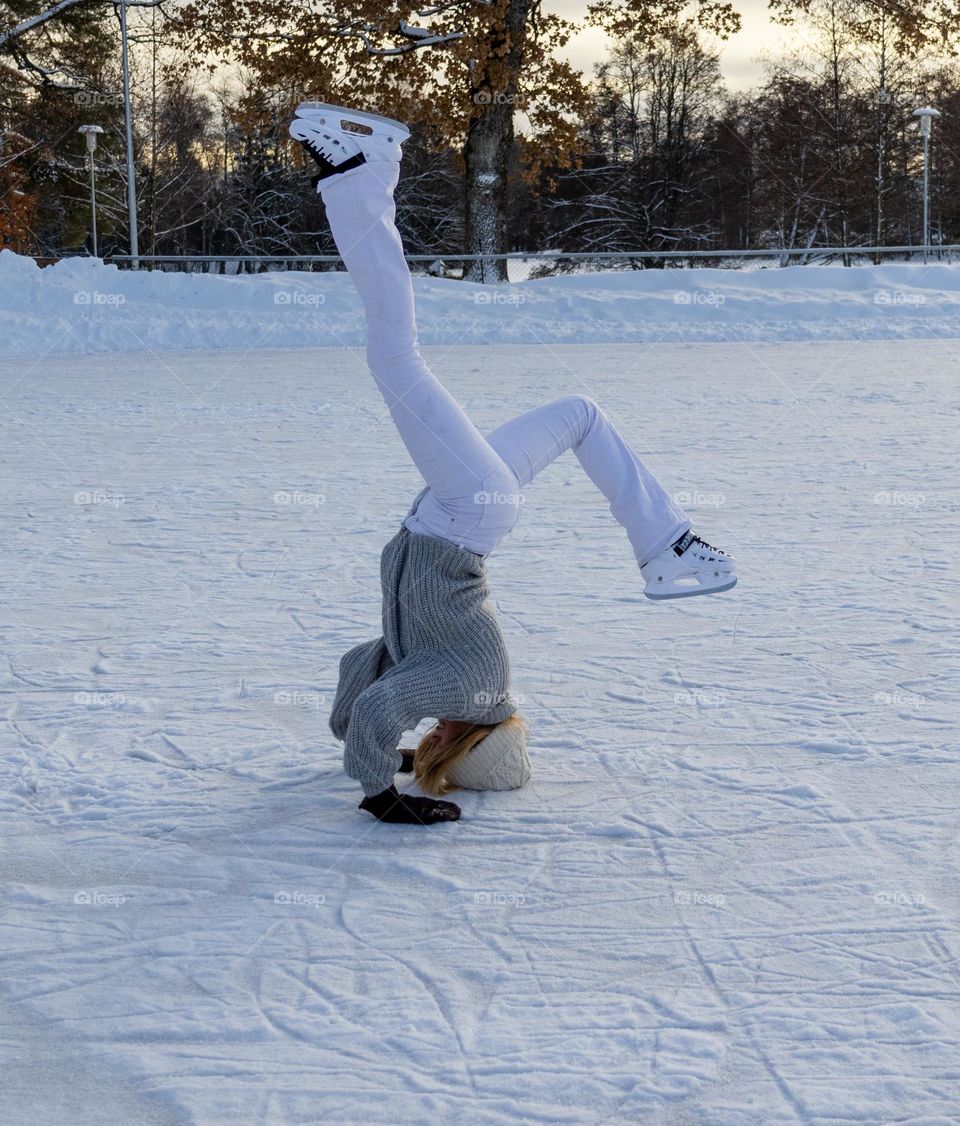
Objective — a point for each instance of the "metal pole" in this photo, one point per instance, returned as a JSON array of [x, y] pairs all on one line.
[[553, 256], [131, 176], [90, 133], [93, 205], [926, 196], [926, 114]]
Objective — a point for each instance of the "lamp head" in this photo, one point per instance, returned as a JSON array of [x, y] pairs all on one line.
[[926, 115], [90, 132]]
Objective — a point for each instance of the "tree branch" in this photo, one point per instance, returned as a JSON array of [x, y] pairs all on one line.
[[418, 37], [38, 20], [31, 23]]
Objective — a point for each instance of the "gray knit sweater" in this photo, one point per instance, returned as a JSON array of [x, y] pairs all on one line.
[[441, 656]]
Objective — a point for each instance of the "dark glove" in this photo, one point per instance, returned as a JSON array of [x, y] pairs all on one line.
[[406, 767], [406, 809]]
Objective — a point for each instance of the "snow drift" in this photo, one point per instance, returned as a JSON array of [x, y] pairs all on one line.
[[81, 305]]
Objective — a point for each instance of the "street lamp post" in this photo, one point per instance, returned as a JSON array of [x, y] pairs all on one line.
[[926, 115], [90, 132], [131, 176]]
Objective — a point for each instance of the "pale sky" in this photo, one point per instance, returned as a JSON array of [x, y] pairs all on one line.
[[738, 60]]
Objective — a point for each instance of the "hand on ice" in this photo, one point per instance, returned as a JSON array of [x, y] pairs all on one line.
[[405, 809]]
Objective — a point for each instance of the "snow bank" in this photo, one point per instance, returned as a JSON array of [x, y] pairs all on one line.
[[81, 305]]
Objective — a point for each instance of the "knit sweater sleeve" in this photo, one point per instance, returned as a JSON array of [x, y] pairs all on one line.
[[420, 686], [359, 668]]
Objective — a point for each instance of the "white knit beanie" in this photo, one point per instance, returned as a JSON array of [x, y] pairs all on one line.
[[498, 762]]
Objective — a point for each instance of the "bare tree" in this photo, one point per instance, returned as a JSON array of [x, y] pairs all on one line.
[[649, 163]]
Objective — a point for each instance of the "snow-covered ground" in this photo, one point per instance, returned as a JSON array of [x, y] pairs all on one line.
[[80, 305], [729, 896]]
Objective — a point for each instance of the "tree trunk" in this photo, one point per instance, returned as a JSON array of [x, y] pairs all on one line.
[[493, 88]]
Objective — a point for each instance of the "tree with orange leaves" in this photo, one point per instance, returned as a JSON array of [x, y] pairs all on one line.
[[468, 69], [18, 206]]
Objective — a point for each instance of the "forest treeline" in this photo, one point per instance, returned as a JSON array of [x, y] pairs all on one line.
[[649, 152]]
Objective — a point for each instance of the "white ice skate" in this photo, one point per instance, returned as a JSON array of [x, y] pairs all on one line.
[[340, 132], [690, 566]]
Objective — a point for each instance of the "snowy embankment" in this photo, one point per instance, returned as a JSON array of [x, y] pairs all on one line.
[[81, 305]]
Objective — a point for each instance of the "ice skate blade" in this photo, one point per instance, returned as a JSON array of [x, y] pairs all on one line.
[[692, 592], [375, 123]]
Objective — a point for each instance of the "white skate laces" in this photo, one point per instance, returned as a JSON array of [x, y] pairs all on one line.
[[339, 139], [688, 567]]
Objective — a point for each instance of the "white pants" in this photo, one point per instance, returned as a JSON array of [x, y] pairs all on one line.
[[472, 495]]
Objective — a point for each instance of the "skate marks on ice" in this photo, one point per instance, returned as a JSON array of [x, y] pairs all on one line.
[[49, 1078], [729, 894]]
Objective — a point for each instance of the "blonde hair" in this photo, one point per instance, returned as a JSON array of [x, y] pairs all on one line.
[[430, 762]]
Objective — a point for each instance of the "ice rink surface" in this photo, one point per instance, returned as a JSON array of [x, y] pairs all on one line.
[[728, 897]]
